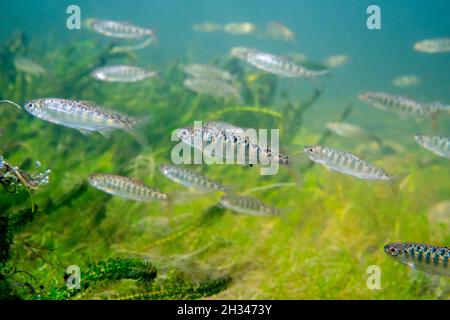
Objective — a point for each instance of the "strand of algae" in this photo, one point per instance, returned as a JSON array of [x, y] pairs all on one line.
[[185, 291]]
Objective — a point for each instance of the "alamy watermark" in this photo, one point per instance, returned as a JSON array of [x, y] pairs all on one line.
[[74, 279], [373, 22], [204, 144], [374, 280], [74, 19]]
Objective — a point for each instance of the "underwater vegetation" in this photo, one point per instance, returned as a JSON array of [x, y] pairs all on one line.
[[240, 235]]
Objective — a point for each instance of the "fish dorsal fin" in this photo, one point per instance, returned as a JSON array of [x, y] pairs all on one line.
[[106, 132], [85, 132]]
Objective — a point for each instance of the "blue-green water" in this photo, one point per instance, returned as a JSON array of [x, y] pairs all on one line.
[[332, 219]]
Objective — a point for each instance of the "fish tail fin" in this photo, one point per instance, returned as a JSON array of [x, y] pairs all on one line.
[[136, 130], [397, 181]]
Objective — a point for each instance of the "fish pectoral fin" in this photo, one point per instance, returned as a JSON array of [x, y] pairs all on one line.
[[85, 132], [106, 132]]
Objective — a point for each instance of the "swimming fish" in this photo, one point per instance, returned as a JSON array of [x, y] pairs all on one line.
[[232, 145], [439, 45], [406, 81], [424, 257], [122, 73], [125, 187], [29, 66], [440, 213], [207, 27], [336, 60], [247, 205], [274, 64], [436, 144], [350, 131], [192, 179], [213, 87], [207, 71], [83, 116], [119, 29], [402, 105], [239, 28], [347, 163], [278, 31], [123, 30], [224, 126]]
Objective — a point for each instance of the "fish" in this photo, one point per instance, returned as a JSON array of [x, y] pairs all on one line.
[[437, 144], [29, 66], [239, 145], [336, 61], [438, 45], [298, 57], [213, 87], [350, 131], [239, 28], [207, 27], [119, 29], [122, 73], [402, 105], [125, 187], [192, 179], [423, 257], [275, 64], [207, 71], [440, 213], [123, 30], [349, 164], [405, 81], [278, 31], [248, 205], [86, 117], [224, 126]]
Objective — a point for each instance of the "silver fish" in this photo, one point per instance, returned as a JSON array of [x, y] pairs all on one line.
[[192, 179], [122, 73], [336, 60], [213, 87], [125, 187], [232, 145], [224, 126], [350, 130], [84, 116], [207, 27], [424, 257], [247, 205], [436, 144], [275, 64], [207, 71], [440, 213], [276, 30], [29, 66], [402, 105], [239, 28], [405, 81], [347, 163], [439, 45], [119, 29]]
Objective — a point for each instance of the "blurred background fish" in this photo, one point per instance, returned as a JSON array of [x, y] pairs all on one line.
[[405, 81]]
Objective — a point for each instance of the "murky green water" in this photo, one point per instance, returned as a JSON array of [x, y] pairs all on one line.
[[329, 237]]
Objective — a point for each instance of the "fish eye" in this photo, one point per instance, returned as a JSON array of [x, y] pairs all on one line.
[[393, 251]]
